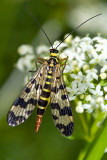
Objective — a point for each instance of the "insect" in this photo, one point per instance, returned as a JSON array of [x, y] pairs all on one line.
[[46, 86]]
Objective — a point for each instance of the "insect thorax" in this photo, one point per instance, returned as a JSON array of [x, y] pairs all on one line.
[[53, 57]]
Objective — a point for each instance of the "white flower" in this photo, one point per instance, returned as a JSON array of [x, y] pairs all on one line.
[[85, 67], [85, 44], [78, 77], [104, 107], [74, 85], [93, 53], [92, 72], [71, 97], [68, 39], [88, 40], [83, 82], [72, 91], [88, 98], [104, 55], [97, 92], [75, 62], [20, 65], [24, 49], [79, 107], [75, 42], [102, 45], [81, 88], [70, 52], [93, 103], [25, 62], [98, 59], [100, 99], [105, 97], [80, 59], [88, 107], [68, 68], [62, 55], [105, 89], [104, 68], [55, 44], [97, 38], [63, 45], [103, 75], [86, 80], [99, 47], [42, 49], [82, 96]]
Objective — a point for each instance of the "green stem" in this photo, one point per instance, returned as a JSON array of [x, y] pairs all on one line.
[[83, 122], [97, 147]]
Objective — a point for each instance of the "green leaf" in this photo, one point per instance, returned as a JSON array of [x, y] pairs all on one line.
[[97, 147], [103, 83]]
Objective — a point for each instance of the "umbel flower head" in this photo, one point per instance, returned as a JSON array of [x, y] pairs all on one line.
[[85, 73]]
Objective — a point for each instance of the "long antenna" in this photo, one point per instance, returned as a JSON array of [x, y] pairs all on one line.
[[40, 27], [77, 28]]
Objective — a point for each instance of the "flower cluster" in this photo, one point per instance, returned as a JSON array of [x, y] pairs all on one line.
[[85, 73]]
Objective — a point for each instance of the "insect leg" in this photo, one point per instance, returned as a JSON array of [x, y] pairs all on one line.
[[41, 59], [37, 61], [64, 64], [64, 59]]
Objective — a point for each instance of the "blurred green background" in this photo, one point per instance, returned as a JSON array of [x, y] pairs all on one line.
[[58, 17]]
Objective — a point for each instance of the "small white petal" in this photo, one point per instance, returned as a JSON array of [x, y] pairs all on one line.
[[100, 100], [103, 75], [105, 89], [91, 85], [105, 150], [87, 106], [104, 68], [79, 109], [68, 89], [92, 61], [98, 87], [105, 97], [101, 93], [88, 98], [24, 49], [104, 107], [55, 44], [85, 67], [72, 98], [41, 49], [73, 76], [92, 91], [95, 76]]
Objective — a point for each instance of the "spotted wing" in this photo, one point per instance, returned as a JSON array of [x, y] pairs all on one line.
[[60, 105], [24, 105]]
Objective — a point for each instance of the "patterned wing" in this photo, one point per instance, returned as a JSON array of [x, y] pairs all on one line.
[[24, 105], [60, 105]]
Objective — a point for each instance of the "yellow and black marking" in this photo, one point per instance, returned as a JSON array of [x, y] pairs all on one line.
[[46, 86]]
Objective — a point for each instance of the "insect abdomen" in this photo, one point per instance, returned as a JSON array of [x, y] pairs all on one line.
[[43, 101]]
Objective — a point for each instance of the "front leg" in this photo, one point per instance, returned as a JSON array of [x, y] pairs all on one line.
[[40, 61], [63, 64]]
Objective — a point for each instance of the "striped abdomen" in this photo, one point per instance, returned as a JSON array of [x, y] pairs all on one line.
[[44, 100]]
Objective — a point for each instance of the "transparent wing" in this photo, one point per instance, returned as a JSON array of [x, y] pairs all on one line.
[[60, 105], [24, 105]]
